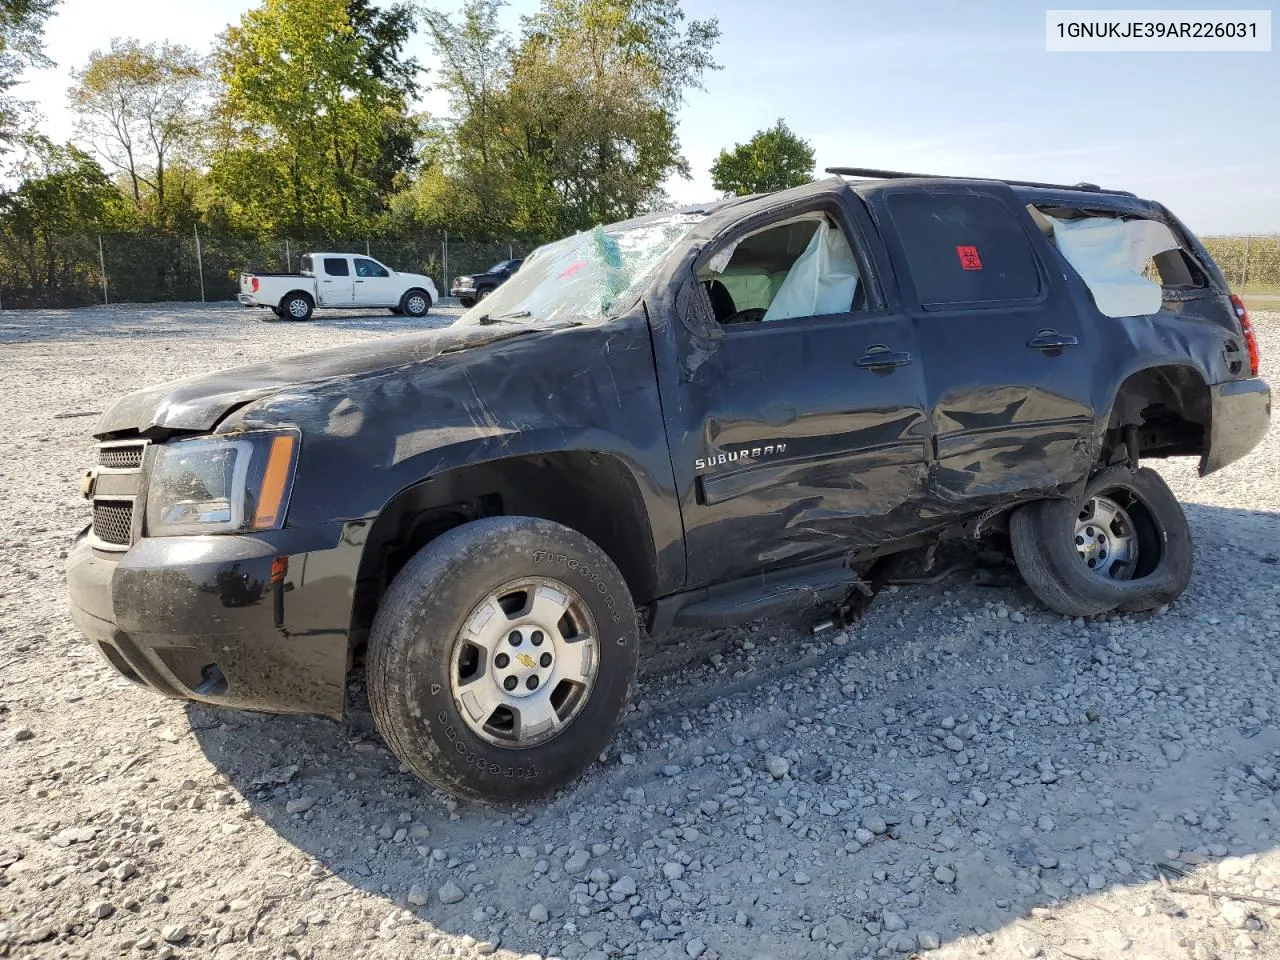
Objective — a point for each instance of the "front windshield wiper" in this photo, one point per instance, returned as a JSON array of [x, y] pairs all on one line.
[[514, 315]]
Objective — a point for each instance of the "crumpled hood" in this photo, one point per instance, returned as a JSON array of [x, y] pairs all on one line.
[[198, 403]]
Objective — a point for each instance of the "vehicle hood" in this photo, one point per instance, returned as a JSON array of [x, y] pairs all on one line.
[[199, 403], [419, 277]]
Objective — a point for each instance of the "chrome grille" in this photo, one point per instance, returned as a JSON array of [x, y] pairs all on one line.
[[113, 521], [124, 457]]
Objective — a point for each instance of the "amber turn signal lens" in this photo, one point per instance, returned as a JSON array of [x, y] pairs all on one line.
[[274, 481]]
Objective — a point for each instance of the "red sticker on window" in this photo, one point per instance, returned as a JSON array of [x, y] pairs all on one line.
[[572, 270], [969, 259]]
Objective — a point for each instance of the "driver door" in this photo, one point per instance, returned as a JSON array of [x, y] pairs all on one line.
[[374, 285]]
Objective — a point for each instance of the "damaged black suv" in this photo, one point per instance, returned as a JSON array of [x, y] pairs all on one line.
[[692, 418]]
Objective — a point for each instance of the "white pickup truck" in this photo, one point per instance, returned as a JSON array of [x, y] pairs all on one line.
[[337, 280]]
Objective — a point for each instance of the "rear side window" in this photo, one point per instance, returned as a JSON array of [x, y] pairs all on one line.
[[337, 267], [964, 249]]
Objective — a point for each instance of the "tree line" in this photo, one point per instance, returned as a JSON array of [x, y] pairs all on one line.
[[302, 121]]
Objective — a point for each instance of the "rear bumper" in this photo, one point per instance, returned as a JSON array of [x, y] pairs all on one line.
[[253, 622], [1241, 416], [247, 300]]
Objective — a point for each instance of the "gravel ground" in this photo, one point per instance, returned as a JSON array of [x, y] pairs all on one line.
[[962, 773]]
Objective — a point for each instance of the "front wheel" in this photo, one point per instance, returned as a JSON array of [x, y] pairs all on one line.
[[416, 303], [1125, 544], [501, 658]]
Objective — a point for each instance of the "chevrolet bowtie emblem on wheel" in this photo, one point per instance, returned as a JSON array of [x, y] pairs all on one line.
[[526, 660]]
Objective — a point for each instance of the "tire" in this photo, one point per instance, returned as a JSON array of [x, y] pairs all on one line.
[[421, 658], [1055, 556], [415, 303], [396, 310], [296, 306], [467, 302], [482, 294]]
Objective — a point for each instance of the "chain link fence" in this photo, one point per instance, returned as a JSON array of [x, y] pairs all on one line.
[[83, 269], [1251, 265]]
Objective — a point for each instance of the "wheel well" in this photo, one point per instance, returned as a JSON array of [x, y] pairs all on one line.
[[592, 493], [1165, 410]]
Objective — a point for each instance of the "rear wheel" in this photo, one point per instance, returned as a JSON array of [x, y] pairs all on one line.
[[296, 306], [501, 658], [1125, 544]]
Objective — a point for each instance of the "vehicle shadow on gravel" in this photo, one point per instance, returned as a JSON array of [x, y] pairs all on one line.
[[957, 758]]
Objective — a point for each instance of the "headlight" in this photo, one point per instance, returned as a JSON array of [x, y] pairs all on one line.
[[221, 485]]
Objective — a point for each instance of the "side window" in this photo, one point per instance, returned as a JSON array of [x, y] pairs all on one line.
[[803, 267], [336, 267], [964, 249], [367, 268], [305, 267], [1129, 265]]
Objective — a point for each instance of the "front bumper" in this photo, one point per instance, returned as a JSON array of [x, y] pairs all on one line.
[[255, 622], [1240, 412], [462, 291]]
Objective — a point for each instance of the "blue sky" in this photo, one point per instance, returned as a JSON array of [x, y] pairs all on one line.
[[948, 87]]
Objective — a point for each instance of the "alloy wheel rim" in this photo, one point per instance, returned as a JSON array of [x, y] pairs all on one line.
[[1106, 540], [524, 663], [297, 308], [417, 305]]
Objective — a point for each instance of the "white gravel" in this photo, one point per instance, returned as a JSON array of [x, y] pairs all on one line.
[[962, 773]]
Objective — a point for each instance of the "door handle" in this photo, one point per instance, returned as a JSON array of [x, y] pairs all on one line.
[[881, 358], [359, 281], [326, 281], [1051, 341]]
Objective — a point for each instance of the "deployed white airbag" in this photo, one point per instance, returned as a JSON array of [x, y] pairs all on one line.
[[1110, 254], [821, 281]]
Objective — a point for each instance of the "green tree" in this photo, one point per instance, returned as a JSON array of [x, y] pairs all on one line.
[[475, 70], [47, 220], [21, 46], [573, 124], [140, 107], [314, 129], [773, 159]]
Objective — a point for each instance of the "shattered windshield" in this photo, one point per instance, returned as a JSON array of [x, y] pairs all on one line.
[[587, 278]]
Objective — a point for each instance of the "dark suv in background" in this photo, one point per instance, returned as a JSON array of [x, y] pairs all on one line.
[[471, 288]]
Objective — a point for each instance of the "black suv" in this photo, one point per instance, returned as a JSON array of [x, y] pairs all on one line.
[[472, 288], [692, 418]]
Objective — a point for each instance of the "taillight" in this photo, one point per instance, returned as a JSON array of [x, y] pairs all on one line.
[[1250, 341], [253, 284]]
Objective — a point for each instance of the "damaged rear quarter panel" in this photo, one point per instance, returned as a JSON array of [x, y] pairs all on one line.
[[587, 388]]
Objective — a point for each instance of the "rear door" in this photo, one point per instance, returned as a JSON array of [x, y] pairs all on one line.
[[374, 285], [1008, 363], [333, 281], [796, 438]]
